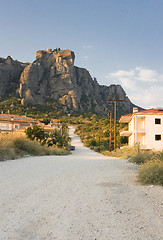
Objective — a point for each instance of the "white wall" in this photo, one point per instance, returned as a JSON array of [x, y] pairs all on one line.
[[147, 122], [151, 130]]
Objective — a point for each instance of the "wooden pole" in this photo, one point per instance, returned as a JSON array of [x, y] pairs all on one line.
[[107, 111], [115, 130], [110, 131], [115, 110]]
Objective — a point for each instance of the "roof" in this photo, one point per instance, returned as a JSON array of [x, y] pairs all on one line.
[[126, 118], [16, 118]]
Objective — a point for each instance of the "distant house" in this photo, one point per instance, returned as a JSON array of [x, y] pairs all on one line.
[[47, 128], [55, 124], [15, 123], [144, 128]]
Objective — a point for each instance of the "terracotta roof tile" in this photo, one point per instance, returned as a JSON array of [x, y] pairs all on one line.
[[16, 118]]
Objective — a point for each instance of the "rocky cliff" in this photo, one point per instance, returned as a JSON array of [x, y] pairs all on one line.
[[53, 76], [10, 72]]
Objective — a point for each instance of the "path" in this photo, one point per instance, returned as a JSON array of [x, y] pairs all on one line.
[[83, 196]]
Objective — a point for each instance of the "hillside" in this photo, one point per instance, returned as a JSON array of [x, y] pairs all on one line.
[[53, 76]]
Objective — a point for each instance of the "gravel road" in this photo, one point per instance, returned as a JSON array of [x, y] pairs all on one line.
[[83, 196]]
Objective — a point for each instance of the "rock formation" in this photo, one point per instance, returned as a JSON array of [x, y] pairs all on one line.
[[10, 72], [53, 76]]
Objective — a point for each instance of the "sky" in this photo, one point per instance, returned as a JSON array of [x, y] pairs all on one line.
[[117, 41]]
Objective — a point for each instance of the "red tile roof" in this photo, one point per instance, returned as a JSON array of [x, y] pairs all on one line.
[[152, 110], [16, 118], [126, 118]]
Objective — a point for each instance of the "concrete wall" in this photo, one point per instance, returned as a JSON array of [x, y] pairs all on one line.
[[146, 123]]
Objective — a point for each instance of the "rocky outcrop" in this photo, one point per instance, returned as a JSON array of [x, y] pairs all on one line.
[[10, 72], [53, 76], [50, 76]]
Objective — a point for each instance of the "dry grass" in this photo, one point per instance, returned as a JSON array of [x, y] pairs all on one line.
[[13, 146], [151, 169], [125, 152], [151, 172]]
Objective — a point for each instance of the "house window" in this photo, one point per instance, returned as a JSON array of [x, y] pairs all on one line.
[[16, 126], [158, 137], [157, 120]]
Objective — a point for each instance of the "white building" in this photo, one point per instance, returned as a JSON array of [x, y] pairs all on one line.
[[144, 128], [15, 123]]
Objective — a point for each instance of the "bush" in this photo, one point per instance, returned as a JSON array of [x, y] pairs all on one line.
[[141, 157], [13, 146], [151, 172], [35, 132], [125, 152]]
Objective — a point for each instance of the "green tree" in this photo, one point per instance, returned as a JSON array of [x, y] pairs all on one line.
[[35, 133]]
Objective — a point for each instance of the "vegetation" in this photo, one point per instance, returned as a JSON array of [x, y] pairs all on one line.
[[125, 152], [58, 138], [12, 105], [53, 109], [13, 146], [95, 134], [151, 172]]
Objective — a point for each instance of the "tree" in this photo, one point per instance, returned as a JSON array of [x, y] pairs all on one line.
[[35, 133]]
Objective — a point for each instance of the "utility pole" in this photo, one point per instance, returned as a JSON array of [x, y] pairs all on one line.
[[107, 111], [115, 110]]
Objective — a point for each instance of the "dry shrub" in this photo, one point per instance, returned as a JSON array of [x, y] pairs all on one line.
[[14, 145], [151, 172], [142, 157], [125, 152]]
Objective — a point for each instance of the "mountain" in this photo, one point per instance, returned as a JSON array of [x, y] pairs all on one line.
[[10, 72], [53, 76]]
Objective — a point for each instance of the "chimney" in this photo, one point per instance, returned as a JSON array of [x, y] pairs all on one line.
[[135, 109]]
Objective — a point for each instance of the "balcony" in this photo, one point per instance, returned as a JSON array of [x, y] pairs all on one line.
[[125, 133], [141, 130]]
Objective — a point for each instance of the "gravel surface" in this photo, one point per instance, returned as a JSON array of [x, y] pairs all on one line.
[[83, 196]]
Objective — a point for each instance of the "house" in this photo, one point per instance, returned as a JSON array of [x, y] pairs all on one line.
[[47, 128], [144, 128], [15, 123]]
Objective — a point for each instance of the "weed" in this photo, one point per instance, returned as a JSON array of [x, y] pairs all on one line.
[[13, 146], [151, 172]]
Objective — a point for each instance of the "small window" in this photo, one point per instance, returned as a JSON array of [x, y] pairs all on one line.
[[157, 121], [16, 126], [158, 137]]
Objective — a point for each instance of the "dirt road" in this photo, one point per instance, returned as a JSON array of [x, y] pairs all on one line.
[[83, 196]]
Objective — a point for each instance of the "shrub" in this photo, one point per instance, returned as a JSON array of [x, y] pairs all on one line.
[[151, 172], [13, 146], [35, 132], [141, 157], [125, 152]]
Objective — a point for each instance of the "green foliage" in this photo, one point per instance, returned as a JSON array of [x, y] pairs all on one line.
[[50, 139], [46, 121], [57, 50], [35, 133], [142, 157], [151, 169], [12, 105], [13, 146], [95, 133], [151, 172], [124, 152]]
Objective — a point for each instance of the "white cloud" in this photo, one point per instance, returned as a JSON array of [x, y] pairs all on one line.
[[85, 57], [87, 46], [122, 73], [143, 86], [146, 75]]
